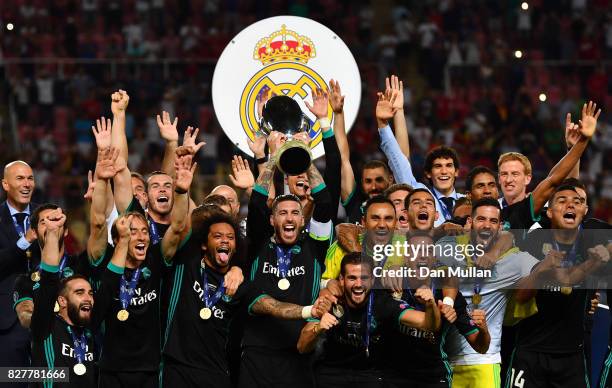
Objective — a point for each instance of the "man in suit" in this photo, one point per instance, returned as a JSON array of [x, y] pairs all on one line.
[[16, 252]]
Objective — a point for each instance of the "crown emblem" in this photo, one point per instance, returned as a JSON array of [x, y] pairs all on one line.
[[284, 45]]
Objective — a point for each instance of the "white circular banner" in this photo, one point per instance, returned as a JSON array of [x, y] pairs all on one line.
[[288, 55]]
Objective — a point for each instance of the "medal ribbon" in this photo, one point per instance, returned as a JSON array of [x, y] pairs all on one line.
[[366, 339], [210, 301], [570, 258], [20, 228], [153, 230], [80, 344], [283, 259], [126, 290]]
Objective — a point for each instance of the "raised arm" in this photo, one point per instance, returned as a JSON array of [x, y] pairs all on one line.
[[347, 175], [242, 177], [168, 132], [572, 135], [106, 169], [560, 171], [428, 320], [179, 216], [119, 103], [399, 119], [333, 162]]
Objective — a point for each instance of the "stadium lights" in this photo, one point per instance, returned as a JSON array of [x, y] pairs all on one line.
[[524, 6], [542, 97], [10, 26], [518, 54]]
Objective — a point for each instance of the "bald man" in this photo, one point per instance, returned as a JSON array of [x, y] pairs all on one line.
[[231, 196], [16, 250]]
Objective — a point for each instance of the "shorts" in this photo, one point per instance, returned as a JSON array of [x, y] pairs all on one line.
[[477, 376], [531, 369]]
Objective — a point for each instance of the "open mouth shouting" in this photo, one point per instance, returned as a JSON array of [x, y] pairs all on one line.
[[402, 221], [485, 235], [85, 308], [358, 294], [25, 194], [289, 232], [140, 251], [569, 217]]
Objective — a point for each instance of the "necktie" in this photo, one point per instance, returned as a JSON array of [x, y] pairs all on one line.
[[448, 202], [20, 217]]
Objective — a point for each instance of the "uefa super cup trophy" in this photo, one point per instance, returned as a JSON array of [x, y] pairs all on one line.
[[283, 114]]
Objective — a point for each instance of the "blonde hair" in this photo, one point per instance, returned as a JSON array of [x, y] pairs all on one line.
[[510, 156]]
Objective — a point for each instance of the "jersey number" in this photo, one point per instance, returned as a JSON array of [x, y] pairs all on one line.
[[519, 381]]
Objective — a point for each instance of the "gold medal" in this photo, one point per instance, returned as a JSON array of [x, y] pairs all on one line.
[[476, 299], [397, 295], [123, 315], [35, 276], [284, 284], [205, 313], [566, 290], [56, 308], [337, 311], [28, 253]]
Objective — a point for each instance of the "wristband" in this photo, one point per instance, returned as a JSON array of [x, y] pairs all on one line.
[[323, 283], [180, 191], [261, 160], [324, 122], [307, 312], [448, 301]]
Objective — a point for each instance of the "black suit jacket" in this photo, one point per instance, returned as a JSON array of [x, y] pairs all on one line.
[[13, 262]]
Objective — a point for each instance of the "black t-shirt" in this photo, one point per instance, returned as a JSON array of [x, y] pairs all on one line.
[[354, 204], [304, 275], [558, 325], [74, 265], [193, 341], [344, 344], [52, 343], [134, 344], [519, 217], [414, 352]]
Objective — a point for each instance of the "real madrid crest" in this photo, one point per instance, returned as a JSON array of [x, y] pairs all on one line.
[[282, 55]]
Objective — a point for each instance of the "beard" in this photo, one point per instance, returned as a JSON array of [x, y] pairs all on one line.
[[74, 313]]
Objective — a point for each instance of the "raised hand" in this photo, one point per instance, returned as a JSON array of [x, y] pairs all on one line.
[[572, 131], [119, 101], [588, 122], [184, 172], [55, 220], [384, 107], [424, 295], [264, 95], [102, 133], [242, 176], [447, 312], [167, 128], [258, 147], [123, 224], [189, 146], [336, 99], [90, 186], [275, 140], [394, 85], [327, 322], [320, 101], [105, 167]]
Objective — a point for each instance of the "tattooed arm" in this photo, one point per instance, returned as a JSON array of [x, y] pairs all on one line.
[[266, 305]]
